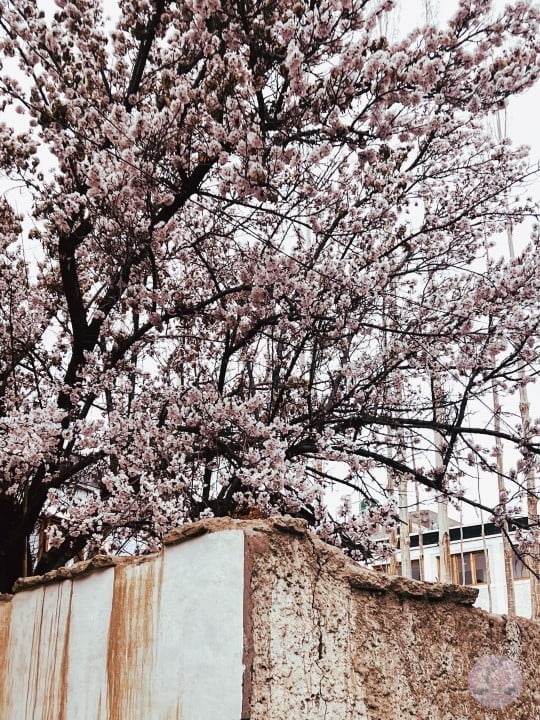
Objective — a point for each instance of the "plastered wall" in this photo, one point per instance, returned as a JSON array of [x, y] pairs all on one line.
[[257, 620]]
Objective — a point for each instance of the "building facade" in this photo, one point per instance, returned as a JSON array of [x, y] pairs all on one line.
[[477, 558]]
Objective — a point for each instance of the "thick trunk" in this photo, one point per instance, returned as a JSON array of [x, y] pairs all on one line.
[[15, 557], [15, 561]]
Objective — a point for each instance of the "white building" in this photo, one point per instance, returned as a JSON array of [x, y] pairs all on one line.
[[477, 560]]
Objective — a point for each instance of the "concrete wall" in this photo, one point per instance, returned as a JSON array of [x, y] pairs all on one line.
[[334, 640], [257, 620], [134, 641]]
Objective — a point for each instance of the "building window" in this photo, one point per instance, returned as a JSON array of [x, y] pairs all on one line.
[[519, 569], [468, 569], [415, 568]]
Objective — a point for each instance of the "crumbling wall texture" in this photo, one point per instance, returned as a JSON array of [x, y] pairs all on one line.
[[333, 641]]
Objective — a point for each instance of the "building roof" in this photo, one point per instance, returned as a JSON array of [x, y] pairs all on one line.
[[467, 532]]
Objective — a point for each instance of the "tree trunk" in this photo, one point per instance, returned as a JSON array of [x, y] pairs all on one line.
[[532, 514], [524, 411], [403, 504], [15, 562], [392, 540], [445, 572], [404, 539], [420, 532], [484, 545]]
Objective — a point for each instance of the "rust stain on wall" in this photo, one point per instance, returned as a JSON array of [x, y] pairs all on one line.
[[131, 646], [5, 628], [65, 662], [175, 713], [49, 664], [33, 676]]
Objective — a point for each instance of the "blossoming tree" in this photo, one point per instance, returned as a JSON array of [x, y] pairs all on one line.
[[254, 239]]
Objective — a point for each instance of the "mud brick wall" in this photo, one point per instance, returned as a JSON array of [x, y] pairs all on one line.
[[333, 640]]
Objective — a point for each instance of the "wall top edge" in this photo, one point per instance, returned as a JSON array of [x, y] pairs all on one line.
[[178, 535], [284, 524], [80, 569], [359, 577]]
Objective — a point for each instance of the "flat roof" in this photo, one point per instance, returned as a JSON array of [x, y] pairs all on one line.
[[467, 532]]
